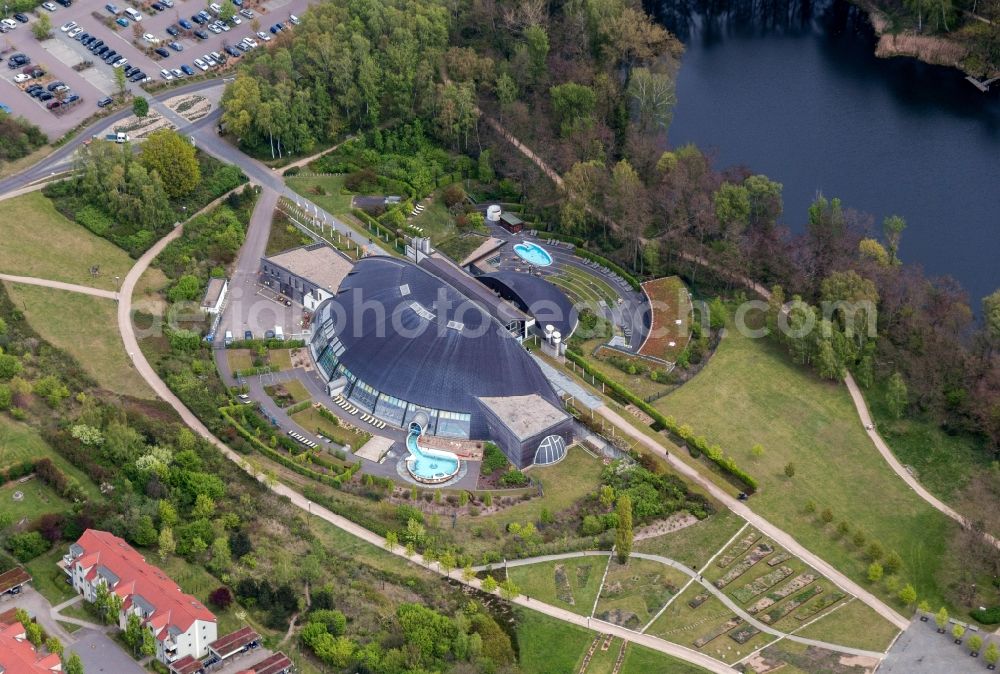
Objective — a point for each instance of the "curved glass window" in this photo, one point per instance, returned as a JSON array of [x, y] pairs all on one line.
[[551, 449]]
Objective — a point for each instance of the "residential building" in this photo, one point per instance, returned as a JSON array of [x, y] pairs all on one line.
[[18, 655], [180, 623], [307, 274]]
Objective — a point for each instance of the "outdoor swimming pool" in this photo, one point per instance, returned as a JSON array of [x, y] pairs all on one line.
[[429, 466], [534, 254]]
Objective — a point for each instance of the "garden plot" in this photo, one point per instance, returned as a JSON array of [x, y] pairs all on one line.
[[191, 107], [632, 593], [569, 583], [759, 552]]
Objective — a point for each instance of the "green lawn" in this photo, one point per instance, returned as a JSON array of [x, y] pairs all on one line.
[[459, 247], [37, 499], [694, 545], [39, 241], [436, 221], [284, 235], [80, 611], [311, 420], [296, 389], [943, 463], [324, 191], [196, 581], [571, 584], [19, 442], [751, 392], [239, 359], [853, 624], [281, 359], [550, 646], [49, 579], [91, 336], [634, 592]]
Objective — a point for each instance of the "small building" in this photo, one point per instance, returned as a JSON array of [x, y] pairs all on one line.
[[187, 665], [528, 428], [231, 644], [215, 296], [274, 664], [308, 274], [511, 222], [12, 581]]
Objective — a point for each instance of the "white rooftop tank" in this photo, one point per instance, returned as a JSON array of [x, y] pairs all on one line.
[[493, 213], [549, 329]]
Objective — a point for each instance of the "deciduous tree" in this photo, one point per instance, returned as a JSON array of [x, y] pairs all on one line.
[[174, 159]]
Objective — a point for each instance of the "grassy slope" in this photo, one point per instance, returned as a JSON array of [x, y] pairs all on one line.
[[750, 392], [694, 545], [91, 336], [38, 241], [19, 442], [853, 624], [538, 581], [332, 201]]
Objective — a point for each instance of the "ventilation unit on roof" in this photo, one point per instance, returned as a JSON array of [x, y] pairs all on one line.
[[404, 289], [421, 311], [456, 325]]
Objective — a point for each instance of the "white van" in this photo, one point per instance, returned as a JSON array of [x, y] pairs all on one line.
[[229, 337], [132, 14], [278, 332]]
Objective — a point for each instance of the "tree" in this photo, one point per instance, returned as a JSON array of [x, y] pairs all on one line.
[[958, 631], [140, 106], [509, 590], [875, 572], [574, 105], [166, 543], [908, 594], [992, 654], [53, 645], [941, 618], [892, 228], [73, 664], [145, 533], [606, 496], [826, 515], [874, 251], [121, 82], [489, 584], [623, 532], [484, 168], [10, 366], [924, 606], [148, 646], [391, 540], [789, 470], [42, 28], [221, 598], [654, 96], [893, 562], [174, 159], [975, 643], [896, 396], [133, 633], [757, 451], [991, 315], [34, 633], [537, 41]]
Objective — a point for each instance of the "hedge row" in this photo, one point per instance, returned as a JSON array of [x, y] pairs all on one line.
[[16, 471], [334, 481], [714, 454], [254, 371], [579, 251], [379, 227], [267, 344]]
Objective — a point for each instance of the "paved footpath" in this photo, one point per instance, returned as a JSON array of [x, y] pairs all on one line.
[[59, 285]]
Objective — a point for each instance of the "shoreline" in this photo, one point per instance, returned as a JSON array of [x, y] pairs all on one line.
[[930, 49]]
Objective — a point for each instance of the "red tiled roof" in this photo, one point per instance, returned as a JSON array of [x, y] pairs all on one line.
[[8, 617], [230, 643], [18, 656], [137, 577], [13, 578], [273, 664], [186, 665]]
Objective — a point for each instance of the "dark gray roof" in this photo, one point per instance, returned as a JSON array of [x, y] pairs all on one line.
[[454, 276], [546, 303], [427, 344]]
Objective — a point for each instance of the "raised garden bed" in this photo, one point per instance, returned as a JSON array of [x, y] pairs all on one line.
[[794, 585], [719, 630], [776, 614], [758, 553], [818, 605], [744, 634], [698, 600], [737, 550], [779, 558], [766, 582]]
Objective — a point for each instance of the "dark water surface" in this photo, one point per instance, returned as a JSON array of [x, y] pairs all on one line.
[[793, 90]]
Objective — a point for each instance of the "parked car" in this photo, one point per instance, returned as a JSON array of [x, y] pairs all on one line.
[[109, 56], [263, 36], [74, 32], [66, 27], [215, 29], [275, 30], [176, 46], [247, 13], [21, 77], [165, 74], [216, 8], [52, 105], [45, 96], [236, 20], [185, 24], [187, 70], [209, 60], [197, 19], [17, 60], [105, 102], [34, 71], [51, 6], [23, 18], [248, 335], [294, 19], [150, 38], [132, 14], [122, 22], [201, 64], [119, 62], [167, 3], [158, 7], [111, 8], [65, 3], [201, 35], [162, 52], [172, 31], [137, 76], [177, 73], [232, 51], [72, 98], [55, 85]]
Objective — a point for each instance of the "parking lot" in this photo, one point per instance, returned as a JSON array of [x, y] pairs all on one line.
[[61, 52]]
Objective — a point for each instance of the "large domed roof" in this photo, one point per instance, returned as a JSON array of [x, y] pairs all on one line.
[[409, 334]]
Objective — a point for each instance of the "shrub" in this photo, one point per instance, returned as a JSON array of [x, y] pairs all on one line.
[[514, 478], [989, 616], [221, 598], [28, 545], [592, 525], [493, 459]]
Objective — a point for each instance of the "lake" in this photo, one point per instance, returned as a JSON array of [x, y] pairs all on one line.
[[793, 90]]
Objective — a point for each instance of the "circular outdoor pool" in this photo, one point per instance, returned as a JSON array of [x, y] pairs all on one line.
[[534, 254]]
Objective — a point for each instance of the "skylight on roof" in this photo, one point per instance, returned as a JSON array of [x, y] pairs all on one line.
[[456, 325], [419, 309], [404, 289]]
